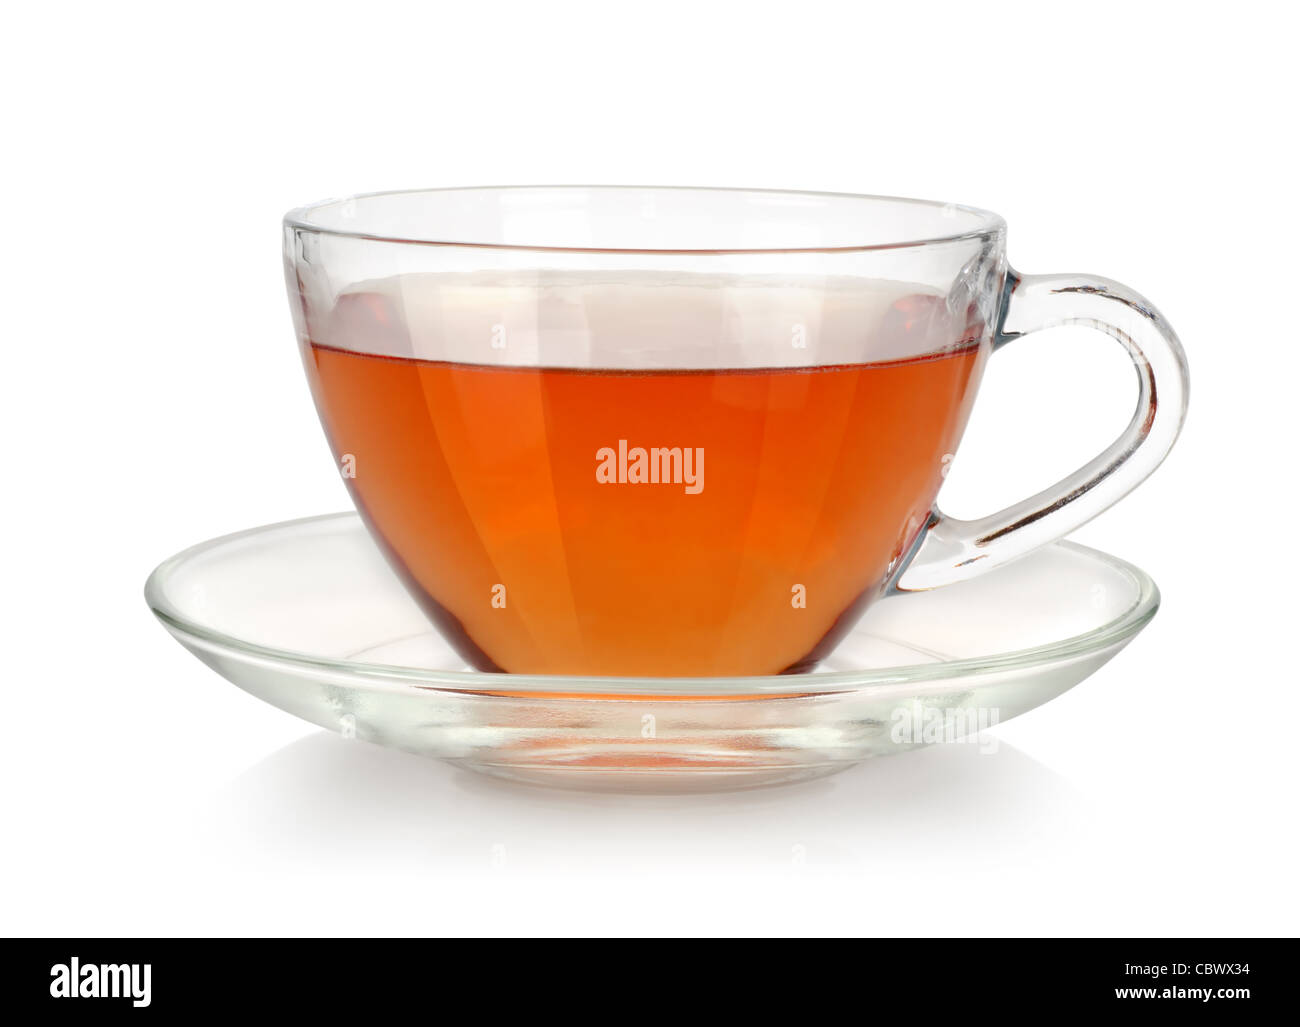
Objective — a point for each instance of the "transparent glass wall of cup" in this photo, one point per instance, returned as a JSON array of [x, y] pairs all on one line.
[[671, 432]]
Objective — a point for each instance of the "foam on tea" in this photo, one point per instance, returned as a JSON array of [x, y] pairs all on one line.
[[586, 475]]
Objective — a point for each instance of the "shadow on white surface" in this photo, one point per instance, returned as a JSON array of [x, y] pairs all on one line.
[[324, 804]]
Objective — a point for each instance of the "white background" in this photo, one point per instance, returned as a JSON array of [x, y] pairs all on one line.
[[153, 397]]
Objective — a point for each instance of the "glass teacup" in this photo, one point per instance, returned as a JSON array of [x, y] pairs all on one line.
[[680, 432]]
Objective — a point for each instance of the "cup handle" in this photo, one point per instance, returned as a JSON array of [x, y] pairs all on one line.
[[950, 550]]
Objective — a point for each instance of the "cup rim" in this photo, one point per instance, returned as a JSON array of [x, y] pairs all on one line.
[[987, 223]]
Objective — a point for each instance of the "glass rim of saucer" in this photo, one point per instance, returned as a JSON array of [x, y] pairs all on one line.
[[975, 222], [422, 679]]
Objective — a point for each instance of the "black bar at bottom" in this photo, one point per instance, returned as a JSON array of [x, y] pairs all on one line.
[[461, 979]]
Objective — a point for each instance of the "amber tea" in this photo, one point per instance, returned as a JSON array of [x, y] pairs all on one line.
[[640, 475]]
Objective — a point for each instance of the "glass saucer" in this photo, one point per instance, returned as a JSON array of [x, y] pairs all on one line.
[[307, 616]]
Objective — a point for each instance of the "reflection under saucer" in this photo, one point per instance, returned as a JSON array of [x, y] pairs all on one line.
[[324, 803]]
